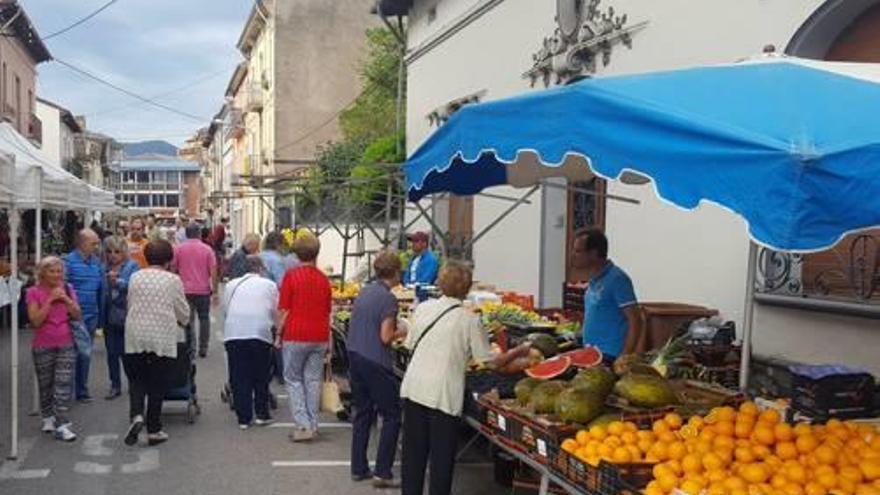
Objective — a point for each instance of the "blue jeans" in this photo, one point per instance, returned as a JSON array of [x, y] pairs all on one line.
[[114, 343], [84, 360], [303, 370], [374, 390]]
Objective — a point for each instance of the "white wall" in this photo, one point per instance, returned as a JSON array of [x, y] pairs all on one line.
[[673, 255], [51, 119]]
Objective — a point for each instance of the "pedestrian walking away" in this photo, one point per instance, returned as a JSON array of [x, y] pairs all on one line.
[[444, 338], [250, 307], [85, 273], [374, 387], [237, 266], [50, 308], [196, 264], [154, 337], [304, 317], [277, 263], [120, 268]]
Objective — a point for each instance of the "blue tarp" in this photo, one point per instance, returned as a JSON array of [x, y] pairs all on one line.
[[791, 146]]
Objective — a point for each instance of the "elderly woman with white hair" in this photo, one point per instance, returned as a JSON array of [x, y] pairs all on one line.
[[237, 266], [249, 308], [51, 305]]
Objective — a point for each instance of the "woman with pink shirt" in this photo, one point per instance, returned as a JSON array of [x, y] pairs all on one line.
[[51, 305]]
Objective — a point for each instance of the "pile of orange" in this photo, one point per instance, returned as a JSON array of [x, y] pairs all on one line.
[[750, 452], [620, 442]]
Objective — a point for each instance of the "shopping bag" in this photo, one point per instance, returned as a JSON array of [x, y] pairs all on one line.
[[330, 400]]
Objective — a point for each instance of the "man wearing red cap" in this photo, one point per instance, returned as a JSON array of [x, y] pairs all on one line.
[[423, 267]]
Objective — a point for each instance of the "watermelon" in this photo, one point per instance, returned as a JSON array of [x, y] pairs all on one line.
[[585, 358], [550, 368]]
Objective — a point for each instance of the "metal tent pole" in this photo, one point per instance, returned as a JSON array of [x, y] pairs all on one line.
[[38, 226], [13, 259], [748, 317]]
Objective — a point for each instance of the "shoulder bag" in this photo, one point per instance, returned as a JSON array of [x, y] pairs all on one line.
[[431, 327], [82, 341]]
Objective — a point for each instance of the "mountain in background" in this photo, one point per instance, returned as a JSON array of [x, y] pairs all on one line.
[[150, 149]]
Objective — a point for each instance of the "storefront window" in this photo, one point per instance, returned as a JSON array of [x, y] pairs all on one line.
[[142, 201], [172, 200]]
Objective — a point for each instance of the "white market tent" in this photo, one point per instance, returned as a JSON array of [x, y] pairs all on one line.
[[28, 180]]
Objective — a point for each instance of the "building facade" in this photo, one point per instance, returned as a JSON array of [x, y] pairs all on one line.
[[95, 155], [21, 50], [60, 129], [164, 187], [472, 50]]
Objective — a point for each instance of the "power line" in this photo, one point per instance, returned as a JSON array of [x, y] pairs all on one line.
[[79, 22], [160, 95], [144, 99]]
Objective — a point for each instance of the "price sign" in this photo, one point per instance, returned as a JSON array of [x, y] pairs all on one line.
[[542, 448], [502, 423]]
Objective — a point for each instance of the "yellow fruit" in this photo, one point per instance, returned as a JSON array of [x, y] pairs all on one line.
[[796, 473], [629, 438], [668, 437], [716, 476], [735, 483], [743, 429], [712, 462], [569, 445], [645, 445], [755, 473], [673, 420], [616, 428], [621, 455], [723, 443], [660, 426], [654, 488], [806, 444], [630, 426], [786, 450], [646, 435], [870, 469], [659, 451], [770, 416], [725, 413], [716, 488], [827, 480], [667, 481], [763, 434], [761, 451], [748, 408], [801, 429], [783, 432], [814, 489], [691, 463], [793, 489], [634, 452], [744, 454], [778, 481], [845, 487], [825, 454], [851, 473], [605, 451], [613, 441], [724, 428], [598, 432], [690, 487], [677, 450]]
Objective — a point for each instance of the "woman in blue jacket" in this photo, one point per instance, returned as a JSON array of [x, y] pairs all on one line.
[[119, 271]]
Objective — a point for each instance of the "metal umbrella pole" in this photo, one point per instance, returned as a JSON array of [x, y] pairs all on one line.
[[38, 227], [748, 317]]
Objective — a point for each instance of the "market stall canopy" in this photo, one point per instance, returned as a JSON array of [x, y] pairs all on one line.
[[21, 161], [789, 144]]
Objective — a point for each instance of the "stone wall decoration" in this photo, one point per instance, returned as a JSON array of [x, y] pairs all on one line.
[[584, 34]]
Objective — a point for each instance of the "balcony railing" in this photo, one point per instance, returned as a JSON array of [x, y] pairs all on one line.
[[7, 113], [235, 127], [35, 130], [254, 97], [846, 276]]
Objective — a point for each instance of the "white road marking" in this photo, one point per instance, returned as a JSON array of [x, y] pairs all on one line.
[[94, 445], [92, 468], [148, 460], [9, 470], [320, 425]]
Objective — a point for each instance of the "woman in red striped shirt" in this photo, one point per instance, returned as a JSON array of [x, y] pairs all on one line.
[[304, 311]]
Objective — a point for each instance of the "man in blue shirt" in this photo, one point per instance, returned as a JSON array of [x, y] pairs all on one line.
[[423, 267], [85, 272], [610, 302]]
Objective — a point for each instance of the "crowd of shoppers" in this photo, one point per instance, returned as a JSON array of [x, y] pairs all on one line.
[[273, 300]]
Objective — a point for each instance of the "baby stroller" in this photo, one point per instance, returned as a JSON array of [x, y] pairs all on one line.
[[182, 382]]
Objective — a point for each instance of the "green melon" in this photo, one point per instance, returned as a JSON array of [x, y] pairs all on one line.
[[523, 389], [597, 380], [577, 405], [545, 343], [645, 391], [543, 399]]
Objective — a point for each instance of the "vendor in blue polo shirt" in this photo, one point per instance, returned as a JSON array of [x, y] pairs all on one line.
[[610, 301]]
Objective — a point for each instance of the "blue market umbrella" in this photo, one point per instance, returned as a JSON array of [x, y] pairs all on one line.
[[790, 145]]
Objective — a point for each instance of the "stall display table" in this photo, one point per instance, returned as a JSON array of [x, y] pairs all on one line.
[[547, 476]]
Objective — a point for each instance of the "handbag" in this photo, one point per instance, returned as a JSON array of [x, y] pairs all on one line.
[[331, 401], [82, 341]]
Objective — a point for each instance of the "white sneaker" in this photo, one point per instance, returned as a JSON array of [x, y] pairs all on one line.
[[263, 422], [64, 433], [48, 425]]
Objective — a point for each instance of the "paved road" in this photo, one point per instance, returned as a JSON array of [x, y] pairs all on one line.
[[210, 457]]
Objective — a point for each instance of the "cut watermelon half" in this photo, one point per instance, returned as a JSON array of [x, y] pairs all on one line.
[[585, 358], [549, 369]]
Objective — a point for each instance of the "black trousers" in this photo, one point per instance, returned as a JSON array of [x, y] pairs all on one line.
[[148, 381], [200, 307], [249, 364], [431, 436]]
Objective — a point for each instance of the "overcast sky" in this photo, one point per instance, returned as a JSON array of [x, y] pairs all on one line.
[[149, 47]]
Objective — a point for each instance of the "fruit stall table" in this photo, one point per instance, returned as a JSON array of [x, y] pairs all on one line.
[[547, 477]]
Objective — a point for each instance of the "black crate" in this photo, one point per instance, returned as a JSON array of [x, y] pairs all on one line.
[[624, 479], [771, 378], [849, 395]]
